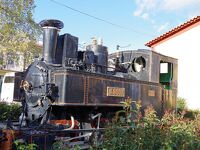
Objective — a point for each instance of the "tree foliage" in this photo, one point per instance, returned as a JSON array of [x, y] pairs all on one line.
[[18, 30]]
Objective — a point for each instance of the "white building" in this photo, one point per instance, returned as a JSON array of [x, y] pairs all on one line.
[[11, 62], [183, 43]]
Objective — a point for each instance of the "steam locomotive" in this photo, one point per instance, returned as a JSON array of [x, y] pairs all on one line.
[[79, 85]]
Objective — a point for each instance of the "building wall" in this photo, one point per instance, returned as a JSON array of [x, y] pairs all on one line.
[[11, 61], [186, 48]]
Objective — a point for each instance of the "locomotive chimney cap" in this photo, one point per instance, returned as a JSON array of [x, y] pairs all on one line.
[[52, 23]]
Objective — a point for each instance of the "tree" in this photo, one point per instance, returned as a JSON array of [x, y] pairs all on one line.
[[18, 30]]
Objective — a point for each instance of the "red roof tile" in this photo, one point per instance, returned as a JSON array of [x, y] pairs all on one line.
[[173, 31]]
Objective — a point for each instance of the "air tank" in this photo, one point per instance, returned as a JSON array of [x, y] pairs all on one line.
[[101, 55]]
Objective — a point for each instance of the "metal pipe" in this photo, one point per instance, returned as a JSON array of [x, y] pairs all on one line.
[[99, 117], [78, 137], [73, 124]]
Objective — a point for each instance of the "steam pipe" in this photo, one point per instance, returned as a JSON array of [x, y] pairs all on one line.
[[50, 34], [72, 125]]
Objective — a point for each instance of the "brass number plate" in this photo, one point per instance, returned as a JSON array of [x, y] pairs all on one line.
[[151, 93], [115, 91]]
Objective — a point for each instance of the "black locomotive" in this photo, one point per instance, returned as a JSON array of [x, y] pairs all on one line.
[[71, 84]]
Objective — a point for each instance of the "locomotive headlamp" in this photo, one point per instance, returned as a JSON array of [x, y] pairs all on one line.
[[26, 85], [138, 64]]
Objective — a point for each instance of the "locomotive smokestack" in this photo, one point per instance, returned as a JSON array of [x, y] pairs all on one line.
[[50, 34]]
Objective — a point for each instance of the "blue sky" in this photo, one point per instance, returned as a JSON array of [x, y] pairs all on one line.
[[139, 20]]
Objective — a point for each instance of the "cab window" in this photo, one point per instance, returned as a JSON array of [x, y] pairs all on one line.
[[166, 74]]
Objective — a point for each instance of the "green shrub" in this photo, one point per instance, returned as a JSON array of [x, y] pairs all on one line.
[[171, 132], [181, 104], [21, 145], [11, 111], [191, 114], [182, 109]]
